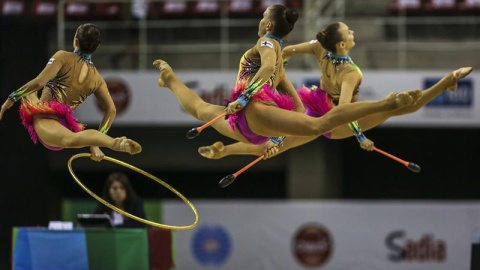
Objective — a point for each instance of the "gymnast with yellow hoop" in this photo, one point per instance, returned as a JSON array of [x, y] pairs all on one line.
[[67, 80]]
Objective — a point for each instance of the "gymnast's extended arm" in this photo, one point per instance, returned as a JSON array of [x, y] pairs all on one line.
[[50, 71]]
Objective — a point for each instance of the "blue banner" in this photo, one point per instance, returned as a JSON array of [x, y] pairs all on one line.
[[42, 249]]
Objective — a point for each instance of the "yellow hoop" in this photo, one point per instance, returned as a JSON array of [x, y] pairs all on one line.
[[126, 213]]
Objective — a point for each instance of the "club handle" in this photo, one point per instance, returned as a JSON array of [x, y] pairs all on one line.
[[410, 165], [391, 156], [192, 133], [249, 165], [227, 180]]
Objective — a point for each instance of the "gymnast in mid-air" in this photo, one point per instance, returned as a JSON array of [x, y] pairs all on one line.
[[264, 103], [66, 81], [340, 82]]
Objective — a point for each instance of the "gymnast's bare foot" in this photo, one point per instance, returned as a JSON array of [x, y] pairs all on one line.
[[457, 75], [403, 99], [214, 151], [123, 144], [166, 72]]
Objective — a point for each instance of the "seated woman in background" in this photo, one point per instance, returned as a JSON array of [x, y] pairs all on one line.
[[118, 192]]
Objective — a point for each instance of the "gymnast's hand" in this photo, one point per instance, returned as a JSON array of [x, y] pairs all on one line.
[[97, 154], [233, 107], [271, 149], [6, 105], [367, 145]]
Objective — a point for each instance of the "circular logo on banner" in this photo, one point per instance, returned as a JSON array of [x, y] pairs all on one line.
[[312, 245], [120, 93], [211, 245]]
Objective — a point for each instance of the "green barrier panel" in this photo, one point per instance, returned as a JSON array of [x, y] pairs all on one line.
[[117, 250], [71, 208], [153, 210]]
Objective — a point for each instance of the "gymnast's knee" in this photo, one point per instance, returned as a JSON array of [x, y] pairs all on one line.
[[70, 141], [322, 126], [333, 135], [204, 112], [403, 111]]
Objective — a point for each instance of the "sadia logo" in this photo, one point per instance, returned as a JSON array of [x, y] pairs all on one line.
[[120, 93], [312, 245], [211, 245], [425, 249]]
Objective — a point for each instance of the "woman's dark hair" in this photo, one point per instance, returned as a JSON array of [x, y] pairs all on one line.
[[123, 179], [88, 36], [330, 36], [284, 19]]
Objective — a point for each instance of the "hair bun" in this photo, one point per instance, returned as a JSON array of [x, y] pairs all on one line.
[[321, 36], [291, 15]]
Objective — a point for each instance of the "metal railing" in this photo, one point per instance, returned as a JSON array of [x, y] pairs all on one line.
[[319, 13], [224, 23], [316, 14]]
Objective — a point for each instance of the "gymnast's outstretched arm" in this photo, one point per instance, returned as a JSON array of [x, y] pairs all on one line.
[[313, 47], [50, 71]]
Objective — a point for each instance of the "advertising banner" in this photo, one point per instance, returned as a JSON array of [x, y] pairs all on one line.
[[140, 101], [357, 235]]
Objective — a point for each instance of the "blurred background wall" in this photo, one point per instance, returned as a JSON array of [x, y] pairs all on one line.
[[391, 35]]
